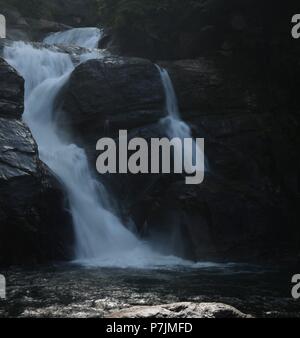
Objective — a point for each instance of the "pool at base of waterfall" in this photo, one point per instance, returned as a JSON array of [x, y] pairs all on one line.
[[73, 291]]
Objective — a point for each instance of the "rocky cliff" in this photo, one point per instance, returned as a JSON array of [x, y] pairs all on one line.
[[246, 208]]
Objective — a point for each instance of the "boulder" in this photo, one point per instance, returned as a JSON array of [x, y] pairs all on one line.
[[35, 226], [180, 310], [104, 96]]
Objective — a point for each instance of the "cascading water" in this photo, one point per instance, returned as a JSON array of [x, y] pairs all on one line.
[[83, 37], [101, 238], [175, 126]]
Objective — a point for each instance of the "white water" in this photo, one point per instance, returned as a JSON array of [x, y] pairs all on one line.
[[83, 37], [173, 123], [101, 238]]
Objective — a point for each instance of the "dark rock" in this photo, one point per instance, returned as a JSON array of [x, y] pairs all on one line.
[[246, 208], [11, 92], [106, 95], [35, 226], [212, 85], [251, 146], [229, 26], [40, 28], [77, 13]]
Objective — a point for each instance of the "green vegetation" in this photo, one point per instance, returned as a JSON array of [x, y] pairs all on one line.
[[32, 8], [149, 28], [157, 28], [155, 17]]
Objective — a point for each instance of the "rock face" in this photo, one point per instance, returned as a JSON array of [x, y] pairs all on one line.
[[181, 310], [106, 95], [11, 92], [246, 207], [250, 124], [34, 226]]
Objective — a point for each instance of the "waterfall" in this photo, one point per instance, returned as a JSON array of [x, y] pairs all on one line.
[[82, 37], [175, 126], [101, 238]]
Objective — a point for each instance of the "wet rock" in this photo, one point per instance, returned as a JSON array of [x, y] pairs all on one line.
[[180, 310], [249, 123], [212, 85], [11, 92], [106, 95], [35, 226]]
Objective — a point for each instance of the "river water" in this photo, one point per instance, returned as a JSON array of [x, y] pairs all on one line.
[[73, 291]]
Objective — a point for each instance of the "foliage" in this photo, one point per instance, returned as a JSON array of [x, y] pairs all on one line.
[[155, 17], [32, 8]]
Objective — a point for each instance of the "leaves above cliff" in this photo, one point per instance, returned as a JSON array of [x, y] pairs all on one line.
[[156, 17], [31, 8]]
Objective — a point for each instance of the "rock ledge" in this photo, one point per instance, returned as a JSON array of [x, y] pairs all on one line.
[[181, 310]]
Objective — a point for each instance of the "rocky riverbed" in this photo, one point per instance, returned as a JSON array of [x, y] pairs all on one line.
[[71, 291]]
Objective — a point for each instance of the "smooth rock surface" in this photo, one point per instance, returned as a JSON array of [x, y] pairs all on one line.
[[11, 92], [111, 94], [181, 310]]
